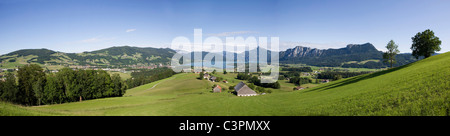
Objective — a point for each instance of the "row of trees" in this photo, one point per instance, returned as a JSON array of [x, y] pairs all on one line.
[[298, 69], [148, 75], [300, 80], [334, 75], [35, 87], [254, 80]]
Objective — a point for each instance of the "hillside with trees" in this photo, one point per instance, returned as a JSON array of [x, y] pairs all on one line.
[[34, 87], [110, 57]]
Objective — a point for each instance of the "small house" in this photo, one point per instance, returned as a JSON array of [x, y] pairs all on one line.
[[242, 89], [213, 78], [299, 88], [217, 89], [225, 81], [206, 76]]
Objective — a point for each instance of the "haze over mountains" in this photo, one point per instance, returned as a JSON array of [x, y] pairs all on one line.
[[353, 55]]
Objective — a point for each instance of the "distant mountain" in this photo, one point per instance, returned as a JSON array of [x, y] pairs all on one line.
[[300, 51], [354, 55], [41, 54], [114, 56]]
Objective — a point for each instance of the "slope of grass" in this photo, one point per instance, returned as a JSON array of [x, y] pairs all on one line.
[[420, 88], [7, 109]]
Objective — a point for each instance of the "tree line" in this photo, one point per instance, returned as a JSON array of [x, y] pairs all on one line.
[[146, 76], [300, 80], [256, 81], [333, 74], [298, 69], [34, 87]]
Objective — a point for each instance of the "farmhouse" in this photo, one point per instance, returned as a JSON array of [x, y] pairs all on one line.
[[206, 76], [217, 89], [299, 88], [213, 78], [242, 89]]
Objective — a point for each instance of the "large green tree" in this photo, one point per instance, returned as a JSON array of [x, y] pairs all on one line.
[[28, 75], [389, 55], [117, 85], [53, 91], [425, 44], [9, 88], [38, 88]]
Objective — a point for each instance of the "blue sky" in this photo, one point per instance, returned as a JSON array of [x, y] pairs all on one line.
[[86, 25]]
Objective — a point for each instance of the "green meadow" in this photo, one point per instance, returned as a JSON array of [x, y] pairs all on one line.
[[421, 88]]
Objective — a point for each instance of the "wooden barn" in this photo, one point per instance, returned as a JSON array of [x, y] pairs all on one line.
[[242, 89]]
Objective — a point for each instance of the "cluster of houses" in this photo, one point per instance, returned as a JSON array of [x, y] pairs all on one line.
[[211, 78], [151, 66], [240, 89], [5, 69]]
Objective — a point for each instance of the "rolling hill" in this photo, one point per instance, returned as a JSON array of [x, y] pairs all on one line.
[[114, 56], [421, 88]]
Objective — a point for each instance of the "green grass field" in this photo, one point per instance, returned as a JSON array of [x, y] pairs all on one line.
[[316, 68], [418, 89]]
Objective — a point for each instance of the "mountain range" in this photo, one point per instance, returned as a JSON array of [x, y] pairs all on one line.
[[353, 55]]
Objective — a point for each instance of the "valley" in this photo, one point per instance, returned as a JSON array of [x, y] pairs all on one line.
[[417, 89]]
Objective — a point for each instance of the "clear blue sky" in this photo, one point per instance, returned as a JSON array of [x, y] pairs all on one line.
[[86, 25]]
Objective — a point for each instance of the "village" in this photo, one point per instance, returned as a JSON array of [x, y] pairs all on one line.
[[221, 82]]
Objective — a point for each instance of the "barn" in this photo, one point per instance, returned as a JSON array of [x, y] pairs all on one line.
[[217, 89], [242, 89]]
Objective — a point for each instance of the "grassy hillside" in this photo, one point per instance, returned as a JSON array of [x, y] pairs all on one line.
[[114, 56], [420, 88]]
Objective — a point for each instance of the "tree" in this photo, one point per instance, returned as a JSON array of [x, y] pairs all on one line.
[[27, 75], [276, 85], [38, 89], [9, 88], [425, 44], [337, 77], [231, 87], [1, 90], [117, 83], [389, 56], [52, 91], [201, 76], [66, 77], [251, 86]]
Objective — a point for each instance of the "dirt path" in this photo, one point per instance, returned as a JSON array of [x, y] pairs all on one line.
[[160, 83]]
